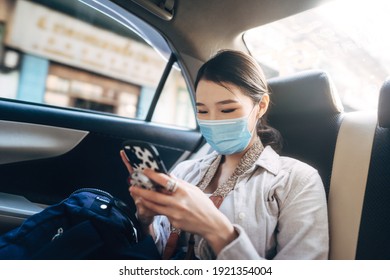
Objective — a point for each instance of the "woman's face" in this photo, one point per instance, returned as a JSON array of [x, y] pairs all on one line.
[[215, 102]]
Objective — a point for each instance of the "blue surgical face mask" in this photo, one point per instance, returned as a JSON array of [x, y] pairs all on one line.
[[226, 136]]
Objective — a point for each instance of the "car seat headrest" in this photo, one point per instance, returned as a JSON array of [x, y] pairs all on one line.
[[384, 105], [307, 92]]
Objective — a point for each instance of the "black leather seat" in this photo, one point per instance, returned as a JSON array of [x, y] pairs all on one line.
[[308, 113], [374, 233]]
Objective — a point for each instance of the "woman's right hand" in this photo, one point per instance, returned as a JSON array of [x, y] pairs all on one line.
[[145, 215]]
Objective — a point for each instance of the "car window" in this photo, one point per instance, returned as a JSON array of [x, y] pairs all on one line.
[[175, 103], [63, 53], [346, 38]]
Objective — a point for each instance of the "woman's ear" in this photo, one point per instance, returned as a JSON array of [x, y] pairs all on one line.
[[263, 104]]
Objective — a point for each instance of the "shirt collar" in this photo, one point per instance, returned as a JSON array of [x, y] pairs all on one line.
[[269, 160]]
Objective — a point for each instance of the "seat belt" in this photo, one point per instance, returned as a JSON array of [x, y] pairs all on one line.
[[348, 182]]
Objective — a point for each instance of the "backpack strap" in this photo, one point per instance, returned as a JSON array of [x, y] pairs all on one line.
[[170, 247]]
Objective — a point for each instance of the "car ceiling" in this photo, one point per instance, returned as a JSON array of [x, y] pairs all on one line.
[[195, 32]]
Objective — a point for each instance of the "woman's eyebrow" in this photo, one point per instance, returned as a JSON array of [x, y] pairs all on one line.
[[223, 102], [227, 101]]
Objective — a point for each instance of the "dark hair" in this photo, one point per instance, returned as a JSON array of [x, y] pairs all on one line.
[[229, 67]]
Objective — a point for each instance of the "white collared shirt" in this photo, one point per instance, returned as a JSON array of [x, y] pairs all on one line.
[[278, 207]]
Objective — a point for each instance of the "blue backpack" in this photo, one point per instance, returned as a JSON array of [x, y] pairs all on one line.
[[89, 224]]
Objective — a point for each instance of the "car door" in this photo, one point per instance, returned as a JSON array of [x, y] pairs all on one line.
[[48, 150]]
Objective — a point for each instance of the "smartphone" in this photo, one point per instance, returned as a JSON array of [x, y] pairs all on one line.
[[142, 155]]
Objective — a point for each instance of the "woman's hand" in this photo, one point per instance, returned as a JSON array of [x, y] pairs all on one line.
[[189, 209], [145, 216]]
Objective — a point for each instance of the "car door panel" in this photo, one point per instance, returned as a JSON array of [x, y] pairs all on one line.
[[89, 159], [25, 141]]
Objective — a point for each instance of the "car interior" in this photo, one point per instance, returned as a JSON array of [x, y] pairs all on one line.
[[48, 150]]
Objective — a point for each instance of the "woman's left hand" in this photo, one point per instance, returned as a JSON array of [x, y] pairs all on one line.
[[189, 209]]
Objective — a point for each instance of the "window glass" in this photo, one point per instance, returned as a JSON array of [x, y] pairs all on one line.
[[346, 38], [64, 53], [175, 106]]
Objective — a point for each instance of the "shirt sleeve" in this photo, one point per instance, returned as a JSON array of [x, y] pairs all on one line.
[[302, 231], [240, 248], [161, 228]]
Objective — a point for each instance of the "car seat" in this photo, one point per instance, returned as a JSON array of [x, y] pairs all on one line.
[[374, 231], [307, 111]]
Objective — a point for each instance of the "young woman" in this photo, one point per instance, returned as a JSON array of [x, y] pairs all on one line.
[[268, 206]]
